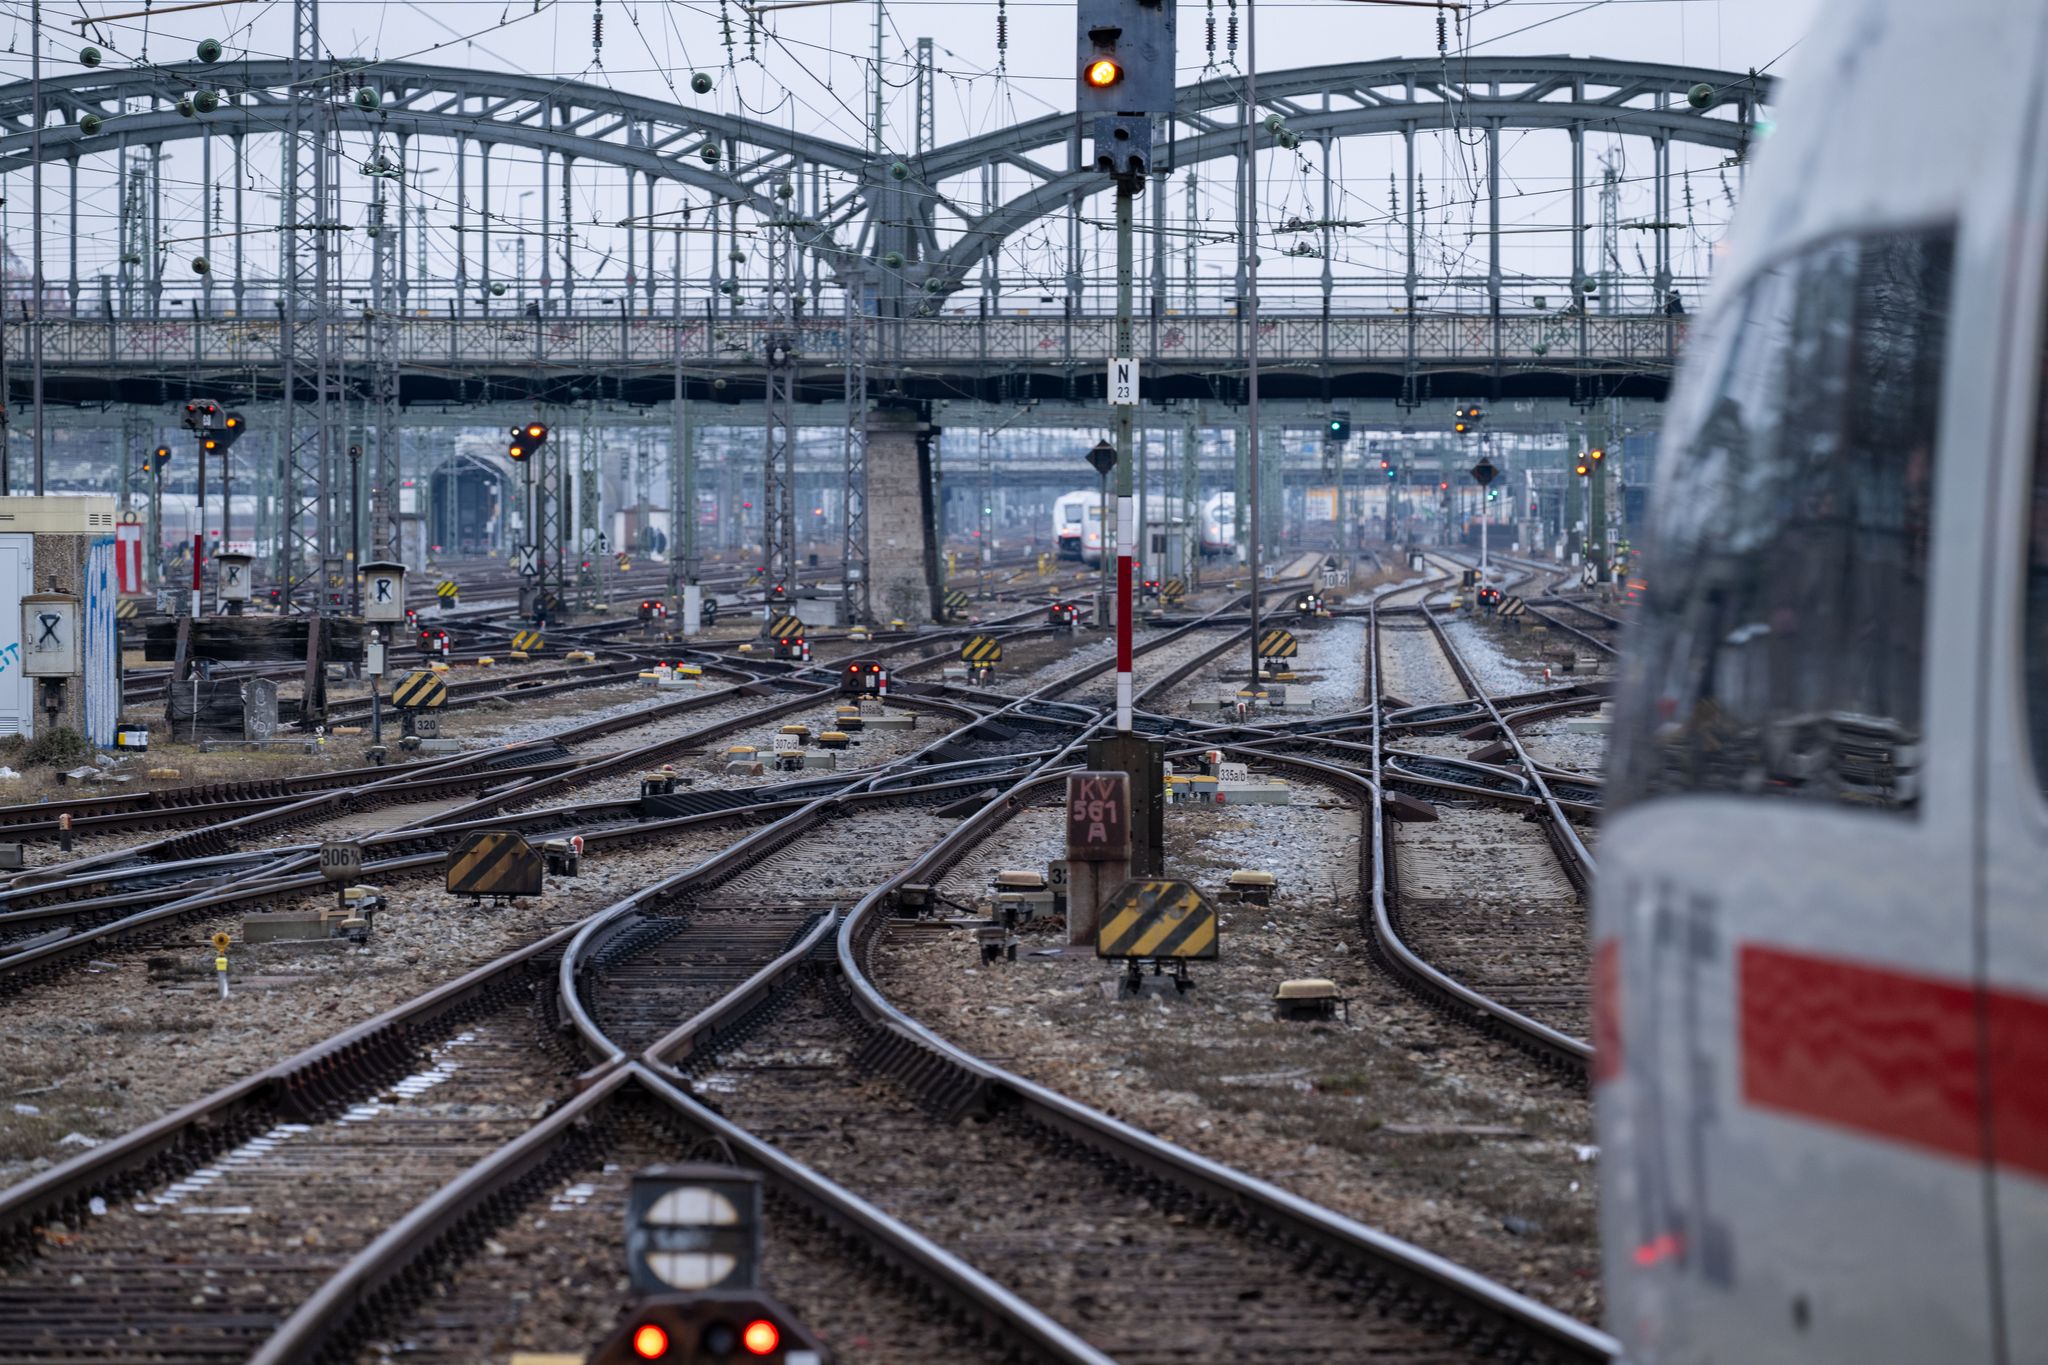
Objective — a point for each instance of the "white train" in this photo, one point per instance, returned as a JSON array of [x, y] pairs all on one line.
[[1077, 529], [1219, 524], [1070, 514], [1821, 938]]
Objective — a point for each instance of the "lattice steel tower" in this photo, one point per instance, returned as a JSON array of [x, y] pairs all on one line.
[[309, 214], [778, 482]]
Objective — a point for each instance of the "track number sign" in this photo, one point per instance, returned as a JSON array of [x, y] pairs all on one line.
[[1123, 381], [340, 862]]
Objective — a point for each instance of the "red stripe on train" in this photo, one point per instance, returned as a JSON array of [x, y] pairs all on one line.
[[1895, 1055]]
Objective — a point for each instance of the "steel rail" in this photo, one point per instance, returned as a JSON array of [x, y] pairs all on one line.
[[1307, 1223], [1572, 853]]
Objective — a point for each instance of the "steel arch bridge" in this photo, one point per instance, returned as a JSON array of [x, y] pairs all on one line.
[[907, 227]]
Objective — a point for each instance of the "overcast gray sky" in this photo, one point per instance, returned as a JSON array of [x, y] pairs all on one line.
[[809, 68]]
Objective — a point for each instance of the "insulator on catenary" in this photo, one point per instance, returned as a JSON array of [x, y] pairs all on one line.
[[1002, 33], [1230, 33]]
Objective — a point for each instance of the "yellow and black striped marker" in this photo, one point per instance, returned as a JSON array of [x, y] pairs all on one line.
[[447, 589], [785, 628], [982, 650], [494, 862], [1511, 606], [1155, 919], [1175, 587], [1278, 644], [956, 600], [527, 640], [127, 609], [421, 690]]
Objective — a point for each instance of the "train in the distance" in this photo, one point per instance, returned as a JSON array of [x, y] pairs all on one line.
[[1077, 523], [1820, 934]]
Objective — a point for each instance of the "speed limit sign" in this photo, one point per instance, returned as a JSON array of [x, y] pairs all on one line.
[[341, 861]]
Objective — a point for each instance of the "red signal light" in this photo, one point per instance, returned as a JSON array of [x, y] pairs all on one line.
[[650, 1342], [760, 1338]]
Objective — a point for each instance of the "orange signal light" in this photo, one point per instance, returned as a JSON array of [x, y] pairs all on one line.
[[650, 1342], [534, 431], [760, 1337], [1103, 73], [1599, 455], [1584, 469]]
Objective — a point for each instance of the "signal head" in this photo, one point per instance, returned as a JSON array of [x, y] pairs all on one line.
[[650, 1342]]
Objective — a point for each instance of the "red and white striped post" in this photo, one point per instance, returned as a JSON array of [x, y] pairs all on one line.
[[1126, 537]]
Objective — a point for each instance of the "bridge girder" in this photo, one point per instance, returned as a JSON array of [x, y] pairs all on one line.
[[876, 208]]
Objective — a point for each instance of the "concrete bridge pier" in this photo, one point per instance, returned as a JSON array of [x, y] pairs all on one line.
[[903, 556]]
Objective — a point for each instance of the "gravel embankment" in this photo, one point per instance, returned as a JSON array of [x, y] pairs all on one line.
[[99, 1051], [1400, 1118]]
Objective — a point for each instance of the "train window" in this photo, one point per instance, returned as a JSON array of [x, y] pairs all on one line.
[[2036, 642], [1793, 527]]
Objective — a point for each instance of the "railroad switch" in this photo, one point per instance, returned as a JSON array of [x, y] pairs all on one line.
[[997, 944], [1020, 896], [563, 857], [660, 782], [1310, 998], [1250, 886]]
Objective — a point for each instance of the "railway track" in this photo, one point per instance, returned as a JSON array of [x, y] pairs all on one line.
[[1481, 912], [773, 1020]]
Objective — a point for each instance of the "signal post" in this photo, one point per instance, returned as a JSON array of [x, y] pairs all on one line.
[[1126, 54], [1126, 81]]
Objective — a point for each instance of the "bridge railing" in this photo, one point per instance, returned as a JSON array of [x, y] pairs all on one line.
[[1172, 340]]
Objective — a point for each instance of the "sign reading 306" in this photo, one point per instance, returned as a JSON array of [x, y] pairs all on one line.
[[341, 861]]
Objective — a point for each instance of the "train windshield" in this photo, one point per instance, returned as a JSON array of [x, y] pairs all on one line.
[[1793, 527]]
